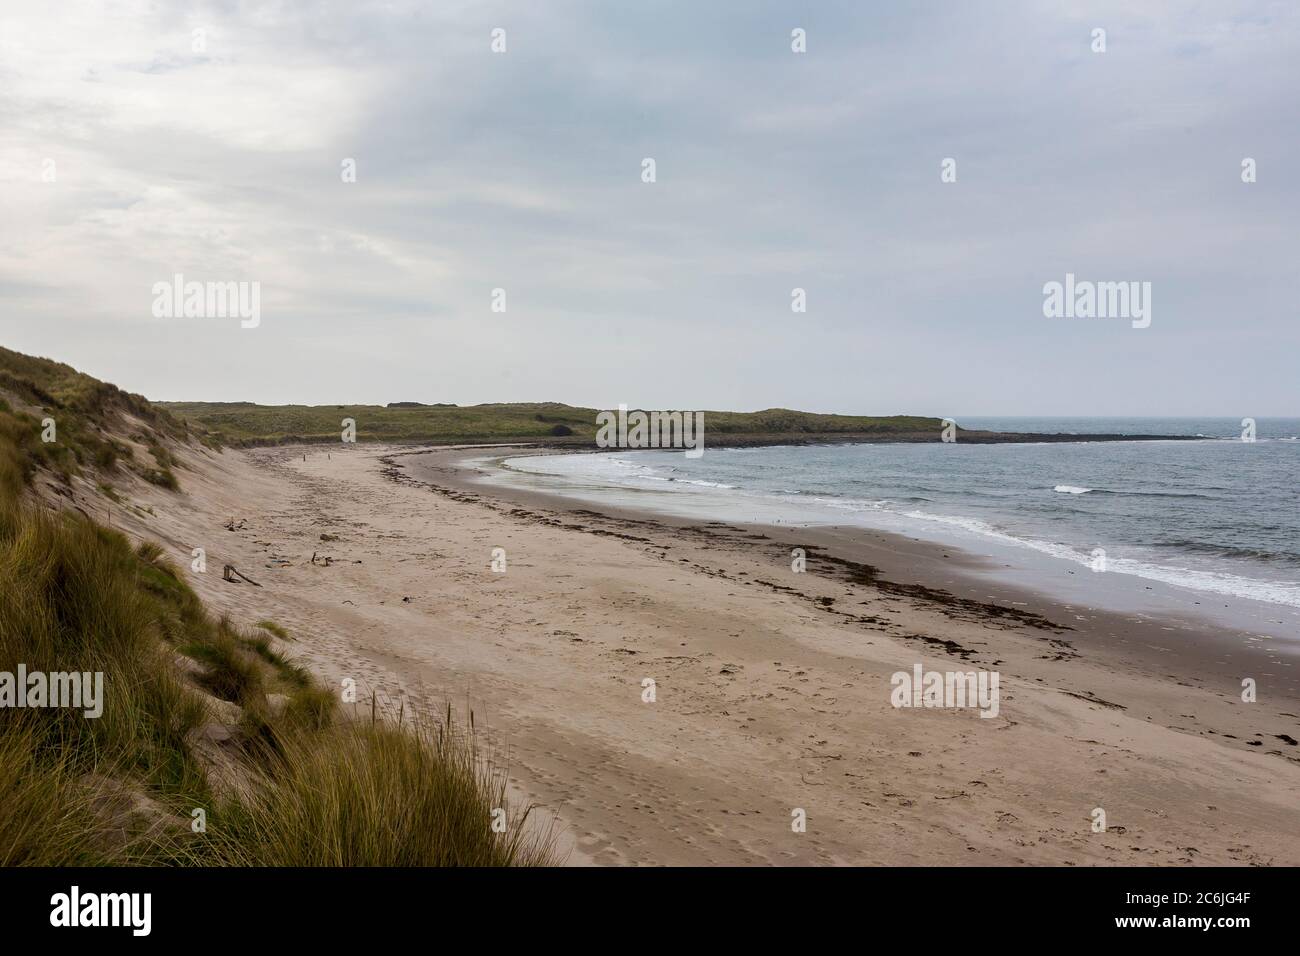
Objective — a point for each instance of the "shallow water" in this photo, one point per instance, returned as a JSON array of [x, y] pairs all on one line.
[[1216, 519]]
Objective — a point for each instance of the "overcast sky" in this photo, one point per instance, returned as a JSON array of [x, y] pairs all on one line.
[[522, 170]]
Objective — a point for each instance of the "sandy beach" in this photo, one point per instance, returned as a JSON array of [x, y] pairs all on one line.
[[772, 688]]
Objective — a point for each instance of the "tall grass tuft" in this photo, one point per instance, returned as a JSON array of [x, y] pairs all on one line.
[[46, 818], [358, 794], [74, 603]]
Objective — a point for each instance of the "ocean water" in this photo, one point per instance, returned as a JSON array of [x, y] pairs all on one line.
[[1215, 519]]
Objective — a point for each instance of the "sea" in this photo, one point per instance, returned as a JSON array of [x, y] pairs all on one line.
[[1207, 528]]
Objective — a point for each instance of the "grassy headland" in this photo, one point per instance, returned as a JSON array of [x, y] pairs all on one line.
[[244, 423], [551, 423]]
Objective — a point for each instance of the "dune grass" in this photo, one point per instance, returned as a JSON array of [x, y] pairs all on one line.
[[87, 401], [90, 420], [324, 789], [275, 629], [46, 818], [74, 603]]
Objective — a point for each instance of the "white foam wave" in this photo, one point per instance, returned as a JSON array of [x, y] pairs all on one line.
[[1198, 579]]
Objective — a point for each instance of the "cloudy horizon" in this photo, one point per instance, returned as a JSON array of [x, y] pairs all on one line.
[[142, 140]]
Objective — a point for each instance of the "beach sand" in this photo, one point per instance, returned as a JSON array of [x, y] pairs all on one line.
[[772, 688]]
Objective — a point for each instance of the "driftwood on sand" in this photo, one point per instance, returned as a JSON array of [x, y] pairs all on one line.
[[230, 572]]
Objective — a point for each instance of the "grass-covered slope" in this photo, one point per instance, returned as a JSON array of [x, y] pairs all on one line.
[[198, 714], [95, 425]]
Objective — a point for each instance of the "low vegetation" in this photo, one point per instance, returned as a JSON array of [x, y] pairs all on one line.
[[65, 422], [243, 423]]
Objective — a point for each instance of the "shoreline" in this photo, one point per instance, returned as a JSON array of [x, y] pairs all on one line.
[[945, 575], [1044, 566]]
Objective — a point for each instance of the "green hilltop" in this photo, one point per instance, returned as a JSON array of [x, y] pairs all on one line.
[[247, 423]]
